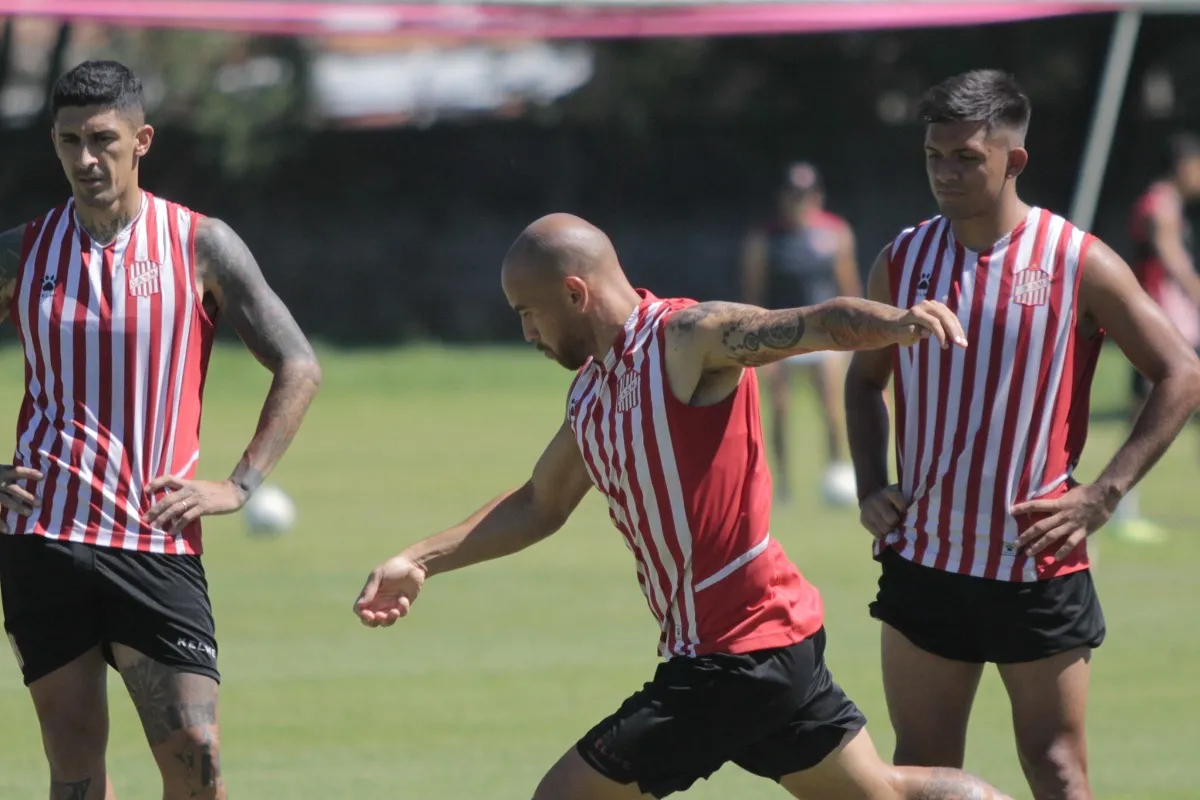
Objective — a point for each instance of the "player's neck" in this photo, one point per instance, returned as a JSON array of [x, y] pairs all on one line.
[[104, 224], [981, 232], [612, 314]]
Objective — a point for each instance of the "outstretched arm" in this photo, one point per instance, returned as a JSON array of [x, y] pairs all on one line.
[[11, 242], [230, 274], [508, 524], [1111, 299], [724, 335]]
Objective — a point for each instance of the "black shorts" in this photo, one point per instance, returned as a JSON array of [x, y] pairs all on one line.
[[977, 620], [771, 712], [63, 598]]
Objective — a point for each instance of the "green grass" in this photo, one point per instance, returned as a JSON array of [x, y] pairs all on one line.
[[502, 666]]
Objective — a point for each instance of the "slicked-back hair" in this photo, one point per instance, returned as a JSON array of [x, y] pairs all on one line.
[[987, 96], [108, 84]]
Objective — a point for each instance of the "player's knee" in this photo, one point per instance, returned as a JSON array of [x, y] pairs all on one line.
[[190, 762], [1056, 768]]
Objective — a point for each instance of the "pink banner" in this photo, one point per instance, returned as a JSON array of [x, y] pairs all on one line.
[[540, 21]]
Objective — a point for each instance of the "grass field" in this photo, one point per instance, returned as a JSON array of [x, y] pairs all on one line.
[[501, 667]]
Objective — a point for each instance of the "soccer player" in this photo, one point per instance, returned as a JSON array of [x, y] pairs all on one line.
[[115, 295], [663, 418], [1164, 264], [983, 541], [806, 256]]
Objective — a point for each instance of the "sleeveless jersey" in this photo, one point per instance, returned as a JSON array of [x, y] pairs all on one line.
[[1004, 420], [1150, 270], [116, 343], [690, 492], [801, 262]]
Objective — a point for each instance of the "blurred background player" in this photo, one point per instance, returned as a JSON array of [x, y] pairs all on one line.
[[1163, 260], [804, 257]]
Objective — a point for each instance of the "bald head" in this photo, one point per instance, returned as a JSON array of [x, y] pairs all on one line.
[[563, 278], [558, 246]]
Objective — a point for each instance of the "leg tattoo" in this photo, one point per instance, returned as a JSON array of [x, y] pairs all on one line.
[[182, 721], [951, 784], [70, 790]]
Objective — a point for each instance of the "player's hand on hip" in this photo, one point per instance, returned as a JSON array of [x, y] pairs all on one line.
[[931, 318], [880, 512], [389, 592], [14, 497], [187, 501], [1068, 520]]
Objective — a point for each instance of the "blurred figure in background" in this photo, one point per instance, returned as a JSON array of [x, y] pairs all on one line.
[[804, 257], [1163, 243]]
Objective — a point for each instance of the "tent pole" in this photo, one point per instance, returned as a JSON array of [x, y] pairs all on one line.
[[1104, 117]]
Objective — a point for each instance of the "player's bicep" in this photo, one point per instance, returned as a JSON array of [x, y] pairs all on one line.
[[560, 478], [1113, 300], [874, 367], [233, 277]]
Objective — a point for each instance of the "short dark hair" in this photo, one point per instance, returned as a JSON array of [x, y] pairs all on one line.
[[108, 84], [983, 95]]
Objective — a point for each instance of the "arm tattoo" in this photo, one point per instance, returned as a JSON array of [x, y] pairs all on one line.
[[266, 326], [11, 244], [753, 337], [70, 790]]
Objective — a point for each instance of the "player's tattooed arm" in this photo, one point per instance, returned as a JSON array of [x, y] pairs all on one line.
[[233, 278], [10, 265], [736, 335]]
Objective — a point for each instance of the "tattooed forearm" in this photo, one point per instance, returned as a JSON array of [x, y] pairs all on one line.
[[752, 337], [70, 790], [272, 335]]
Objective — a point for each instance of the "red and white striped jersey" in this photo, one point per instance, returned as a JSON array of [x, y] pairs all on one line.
[[690, 492], [1004, 420], [116, 343]]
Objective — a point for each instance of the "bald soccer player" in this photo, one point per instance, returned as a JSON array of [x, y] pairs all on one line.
[[663, 418]]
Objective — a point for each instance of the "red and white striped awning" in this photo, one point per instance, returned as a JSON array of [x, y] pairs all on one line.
[[580, 20]]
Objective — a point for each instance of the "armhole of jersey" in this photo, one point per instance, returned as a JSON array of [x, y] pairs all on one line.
[[892, 278], [194, 224], [1084, 246], [29, 239]]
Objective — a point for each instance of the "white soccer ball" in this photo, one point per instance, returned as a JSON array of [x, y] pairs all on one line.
[[839, 487], [269, 511]]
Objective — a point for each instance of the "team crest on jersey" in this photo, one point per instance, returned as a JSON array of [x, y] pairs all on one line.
[[143, 278], [1031, 287], [629, 391]]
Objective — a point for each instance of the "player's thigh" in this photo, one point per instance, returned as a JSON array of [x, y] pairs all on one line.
[[572, 778], [1049, 708], [931, 660], [853, 771], [179, 715], [71, 704]]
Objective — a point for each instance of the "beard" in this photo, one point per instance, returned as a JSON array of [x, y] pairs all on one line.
[[572, 353]]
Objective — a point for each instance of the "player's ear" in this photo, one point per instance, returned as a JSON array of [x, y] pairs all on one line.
[[143, 136], [577, 292], [1018, 157]]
